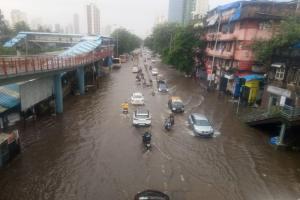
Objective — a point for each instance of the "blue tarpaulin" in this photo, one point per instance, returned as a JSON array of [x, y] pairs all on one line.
[[253, 77], [9, 97], [86, 45]]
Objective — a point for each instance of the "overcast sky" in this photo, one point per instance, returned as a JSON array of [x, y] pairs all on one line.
[[137, 16]]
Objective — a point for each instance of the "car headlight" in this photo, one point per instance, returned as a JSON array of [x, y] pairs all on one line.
[[173, 108]]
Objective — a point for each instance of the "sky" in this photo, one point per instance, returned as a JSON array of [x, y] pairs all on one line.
[[138, 16]]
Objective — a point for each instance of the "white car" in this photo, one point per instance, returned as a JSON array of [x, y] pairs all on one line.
[[137, 98], [141, 117], [135, 69], [154, 72]]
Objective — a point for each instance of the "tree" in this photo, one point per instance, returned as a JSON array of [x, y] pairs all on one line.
[[21, 26], [179, 46], [287, 36], [127, 41], [4, 29]]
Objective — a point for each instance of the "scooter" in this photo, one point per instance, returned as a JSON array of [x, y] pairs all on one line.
[[125, 110], [168, 124]]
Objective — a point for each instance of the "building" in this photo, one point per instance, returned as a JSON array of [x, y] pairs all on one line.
[[93, 19], [76, 23], [189, 8], [57, 28], [69, 29], [230, 31], [17, 16], [160, 20], [201, 8], [176, 9]]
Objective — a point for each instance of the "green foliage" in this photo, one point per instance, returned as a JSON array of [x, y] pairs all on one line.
[[127, 41], [21, 26], [4, 29], [288, 35], [7, 51], [178, 45]]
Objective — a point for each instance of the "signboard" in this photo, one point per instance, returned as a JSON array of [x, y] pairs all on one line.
[[279, 91], [35, 91]]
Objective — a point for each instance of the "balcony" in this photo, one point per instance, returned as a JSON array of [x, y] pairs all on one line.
[[217, 53], [221, 36]]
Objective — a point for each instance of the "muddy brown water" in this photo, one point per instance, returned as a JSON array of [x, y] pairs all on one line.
[[93, 152]]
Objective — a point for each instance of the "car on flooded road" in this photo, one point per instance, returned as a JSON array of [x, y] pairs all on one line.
[[135, 69], [200, 125], [154, 71], [162, 86], [141, 117], [175, 104], [137, 98]]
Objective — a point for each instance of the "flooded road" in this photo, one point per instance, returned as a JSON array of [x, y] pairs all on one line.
[[93, 152]]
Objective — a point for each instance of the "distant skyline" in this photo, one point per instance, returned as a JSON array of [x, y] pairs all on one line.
[[137, 16]]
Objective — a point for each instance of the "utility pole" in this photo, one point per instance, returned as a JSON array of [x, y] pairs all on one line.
[[117, 43]]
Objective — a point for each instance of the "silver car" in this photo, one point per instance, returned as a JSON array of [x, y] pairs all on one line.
[[141, 117], [200, 124]]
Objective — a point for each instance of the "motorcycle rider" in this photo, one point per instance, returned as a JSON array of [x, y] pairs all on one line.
[[125, 106], [147, 137], [172, 119]]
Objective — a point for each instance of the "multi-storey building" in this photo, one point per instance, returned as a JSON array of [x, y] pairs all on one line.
[[93, 19], [76, 23], [176, 8], [231, 30]]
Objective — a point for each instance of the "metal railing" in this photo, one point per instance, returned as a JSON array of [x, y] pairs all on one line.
[[287, 112], [30, 64]]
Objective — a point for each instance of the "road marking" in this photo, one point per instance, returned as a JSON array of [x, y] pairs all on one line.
[[181, 177]]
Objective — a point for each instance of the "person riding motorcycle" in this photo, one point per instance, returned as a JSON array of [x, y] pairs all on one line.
[[147, 137], [172, 119], [125, 106]]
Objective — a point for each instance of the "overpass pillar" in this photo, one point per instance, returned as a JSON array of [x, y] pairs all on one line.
[[80, 78], [58, 93], [282, 133]]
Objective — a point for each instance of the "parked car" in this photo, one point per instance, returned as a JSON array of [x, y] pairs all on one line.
[[141, 117], [175, 104], [200, 125], [116, 63], [137, 98], [135, 69], [162, 86], [154, 72]]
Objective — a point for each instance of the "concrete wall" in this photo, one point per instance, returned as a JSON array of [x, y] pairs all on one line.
[[35, 91]]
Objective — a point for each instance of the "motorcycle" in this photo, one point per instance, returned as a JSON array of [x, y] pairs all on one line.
[[147, 140], [125, 110], [168, 124]]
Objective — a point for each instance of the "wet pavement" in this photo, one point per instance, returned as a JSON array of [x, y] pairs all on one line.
[[93, 152]]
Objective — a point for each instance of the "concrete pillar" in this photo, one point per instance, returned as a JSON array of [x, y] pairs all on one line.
[[270, 103], [58, 93], [282, 133], [80, 78]]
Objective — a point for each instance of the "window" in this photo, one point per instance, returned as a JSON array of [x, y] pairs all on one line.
[[228, 46], [264, 25], [279, 75]]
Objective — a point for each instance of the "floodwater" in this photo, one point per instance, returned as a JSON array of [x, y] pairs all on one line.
[[93, 152]]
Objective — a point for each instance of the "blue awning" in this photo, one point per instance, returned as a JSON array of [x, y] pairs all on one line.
[[251, 77], [9, 97]]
